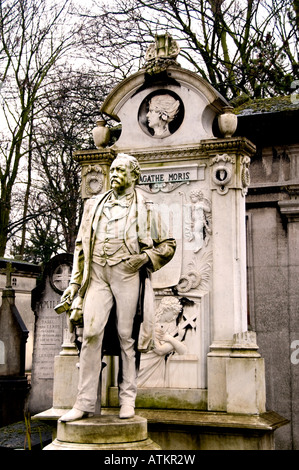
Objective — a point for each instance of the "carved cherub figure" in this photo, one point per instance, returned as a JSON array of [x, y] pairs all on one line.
[[169, 336], [197, 223]]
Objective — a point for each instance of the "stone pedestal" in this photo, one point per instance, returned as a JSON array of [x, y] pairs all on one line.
[[106, 432], [237, 376], [66, 372]]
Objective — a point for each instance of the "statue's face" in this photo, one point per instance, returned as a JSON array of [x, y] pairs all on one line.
[[153, 117], [121, 177], [167, 316]]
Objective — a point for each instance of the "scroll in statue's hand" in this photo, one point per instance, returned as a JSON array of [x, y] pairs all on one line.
[[70, 292], [67, 299]]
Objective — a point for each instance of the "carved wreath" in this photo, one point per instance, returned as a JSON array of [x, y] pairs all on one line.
[[94, 179]]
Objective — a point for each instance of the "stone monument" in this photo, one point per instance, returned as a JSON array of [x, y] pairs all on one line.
[[13, 336], [205, 363]]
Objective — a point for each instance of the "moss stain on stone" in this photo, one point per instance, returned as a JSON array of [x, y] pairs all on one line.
[[266, 105]]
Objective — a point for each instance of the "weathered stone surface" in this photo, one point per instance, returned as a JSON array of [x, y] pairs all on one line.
[[102, 433], [107, 429]]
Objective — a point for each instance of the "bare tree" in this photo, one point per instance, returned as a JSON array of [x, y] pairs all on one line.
[[245, 47], [71, 113], [241, 47], [112, 40], [34, 35], [71, 108]]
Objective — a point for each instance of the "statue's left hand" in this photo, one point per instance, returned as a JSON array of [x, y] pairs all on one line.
[[70, 292], [135, 262]]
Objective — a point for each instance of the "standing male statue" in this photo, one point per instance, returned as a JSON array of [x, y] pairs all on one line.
[[120, 235]]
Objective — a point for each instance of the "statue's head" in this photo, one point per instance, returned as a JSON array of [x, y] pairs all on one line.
[[162, 110], [124, 173], [196, 195], [169, 309]]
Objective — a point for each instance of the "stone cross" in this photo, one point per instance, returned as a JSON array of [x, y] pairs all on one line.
[[61, 277], [8, 271]]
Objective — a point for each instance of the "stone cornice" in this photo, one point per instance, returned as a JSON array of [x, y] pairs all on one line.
[[105, 156], [232, 145], [290, 209], [205, 149]]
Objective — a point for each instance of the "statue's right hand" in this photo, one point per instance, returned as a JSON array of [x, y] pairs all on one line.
[[70, 292]]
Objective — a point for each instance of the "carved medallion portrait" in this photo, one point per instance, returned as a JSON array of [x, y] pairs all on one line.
[[161, 114]]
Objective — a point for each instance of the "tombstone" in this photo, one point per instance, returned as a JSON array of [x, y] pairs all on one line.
[[50, 330], [205, 365], [13, 336]]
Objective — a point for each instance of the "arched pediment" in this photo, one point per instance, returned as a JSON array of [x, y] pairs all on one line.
[[197, 101]]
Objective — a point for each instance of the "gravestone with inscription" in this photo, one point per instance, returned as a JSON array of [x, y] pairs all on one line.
[[49, 330]]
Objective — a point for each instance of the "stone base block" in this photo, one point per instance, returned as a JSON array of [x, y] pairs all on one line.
[[198, 430], [236, 382], [65, 386], [217, 383], [175, 430], [147, 444], [102, 433], [246, 385]]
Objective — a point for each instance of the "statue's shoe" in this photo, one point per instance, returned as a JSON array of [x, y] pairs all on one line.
[[75, 414], [126, 411]]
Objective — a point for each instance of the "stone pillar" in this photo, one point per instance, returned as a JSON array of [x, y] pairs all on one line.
[[95, 170], [66, 373], [229, 256], [234, 366]]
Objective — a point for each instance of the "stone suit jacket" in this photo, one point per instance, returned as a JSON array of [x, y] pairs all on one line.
[[145, 232]]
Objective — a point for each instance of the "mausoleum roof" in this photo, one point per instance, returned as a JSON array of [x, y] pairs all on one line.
[[270, 121], [21, 266], [275, 104]]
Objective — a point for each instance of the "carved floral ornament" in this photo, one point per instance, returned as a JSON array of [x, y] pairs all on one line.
[[190, 280], [245, 174], [197, 276], [162, 53]]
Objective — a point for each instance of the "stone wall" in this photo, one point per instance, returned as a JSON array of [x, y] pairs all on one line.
[[273, 261]]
